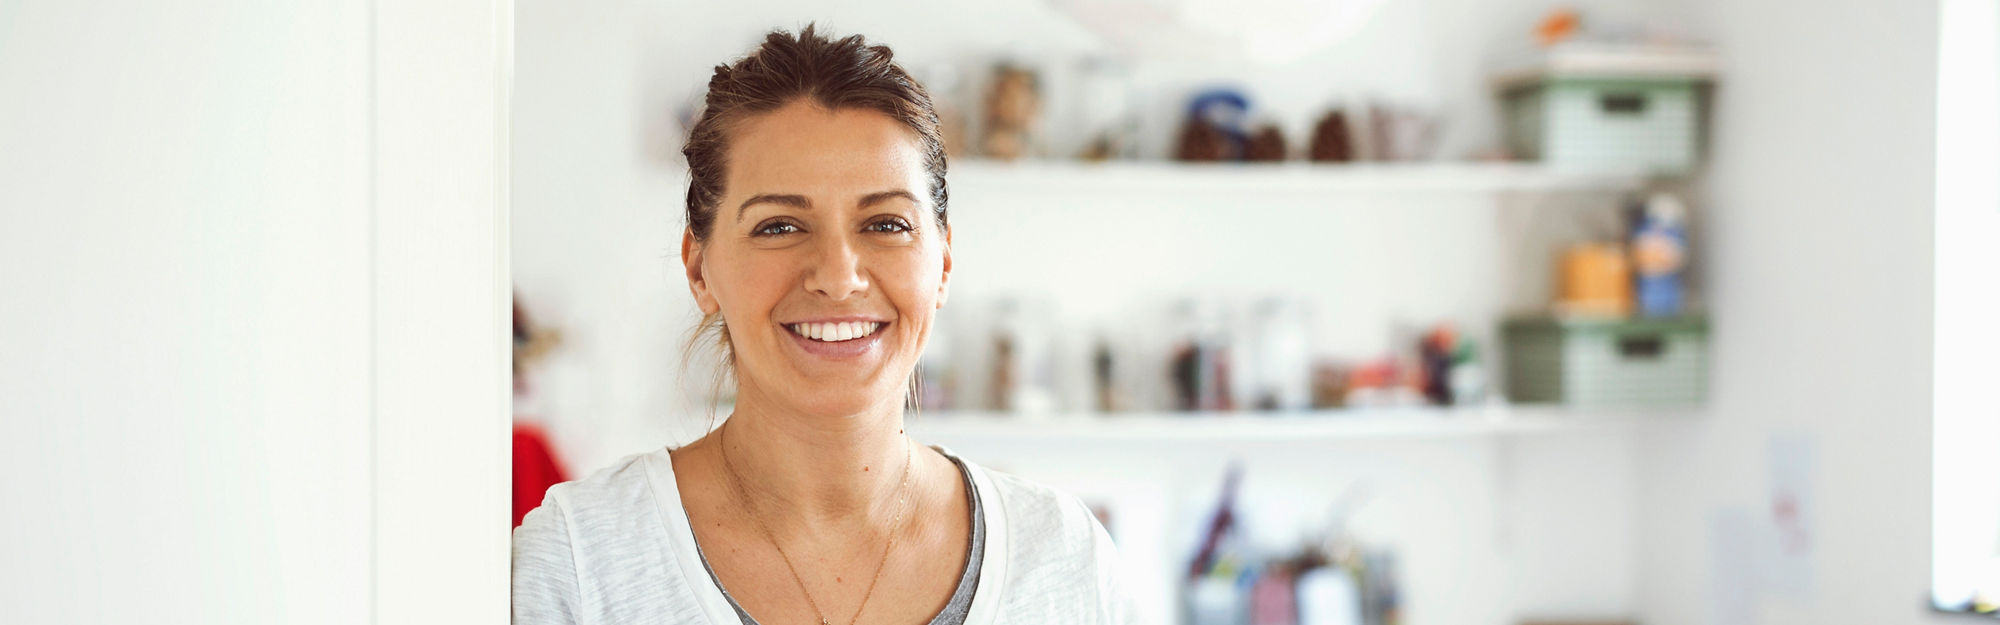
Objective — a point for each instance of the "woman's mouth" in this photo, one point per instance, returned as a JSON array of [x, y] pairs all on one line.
[[835, 332], [837, 340]]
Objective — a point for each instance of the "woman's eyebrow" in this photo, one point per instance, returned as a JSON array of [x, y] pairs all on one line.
[[881, 196], [795, 201]]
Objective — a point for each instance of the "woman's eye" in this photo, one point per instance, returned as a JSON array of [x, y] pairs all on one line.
[[776, 228], [889, 226]]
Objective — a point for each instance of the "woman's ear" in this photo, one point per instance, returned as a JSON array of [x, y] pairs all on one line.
[[697, 282], [944, 282]]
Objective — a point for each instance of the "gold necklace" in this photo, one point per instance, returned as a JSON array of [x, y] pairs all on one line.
[[743, 499]]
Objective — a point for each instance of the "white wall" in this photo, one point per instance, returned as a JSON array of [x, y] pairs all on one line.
[[184, 234], [254, 270], [1820, 227]]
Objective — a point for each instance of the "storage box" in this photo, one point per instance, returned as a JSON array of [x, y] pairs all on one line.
[[1609, 108], [1638, 362]]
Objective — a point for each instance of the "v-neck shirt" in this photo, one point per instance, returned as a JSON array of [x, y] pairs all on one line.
[[616, 548], [961, 597]]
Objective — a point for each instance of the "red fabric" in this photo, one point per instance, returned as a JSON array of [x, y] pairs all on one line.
[[535, 469]]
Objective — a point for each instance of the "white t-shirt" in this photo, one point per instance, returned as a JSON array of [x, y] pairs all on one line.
[[615, 549]]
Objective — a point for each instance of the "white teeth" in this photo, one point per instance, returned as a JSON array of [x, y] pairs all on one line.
[[835, 331]]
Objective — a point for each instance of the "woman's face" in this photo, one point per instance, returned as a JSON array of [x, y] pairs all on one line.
[[825, 259]]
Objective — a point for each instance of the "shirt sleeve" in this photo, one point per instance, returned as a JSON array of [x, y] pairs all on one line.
[[1115, 604], [545, 582]]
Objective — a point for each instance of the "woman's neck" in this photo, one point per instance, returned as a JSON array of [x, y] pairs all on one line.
[[829, 471]]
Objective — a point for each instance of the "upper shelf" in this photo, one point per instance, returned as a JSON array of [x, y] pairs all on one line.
[[1156, 176]]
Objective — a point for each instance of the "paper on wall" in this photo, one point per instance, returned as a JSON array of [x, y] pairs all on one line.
[[1791, 528]]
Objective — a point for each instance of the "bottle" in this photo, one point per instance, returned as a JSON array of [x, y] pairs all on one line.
[[1327, 595]]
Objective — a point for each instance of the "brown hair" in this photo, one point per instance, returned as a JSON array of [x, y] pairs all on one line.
[[837, 74]]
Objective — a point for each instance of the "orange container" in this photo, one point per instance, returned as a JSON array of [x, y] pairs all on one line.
[[1594, 279]]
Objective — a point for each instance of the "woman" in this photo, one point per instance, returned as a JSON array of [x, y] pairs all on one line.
[[818, 248]]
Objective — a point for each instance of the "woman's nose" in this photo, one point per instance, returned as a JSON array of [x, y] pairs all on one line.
[[836, 271]]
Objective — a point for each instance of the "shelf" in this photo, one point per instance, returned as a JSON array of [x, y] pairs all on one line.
[[1156, 176], [1371, 423]]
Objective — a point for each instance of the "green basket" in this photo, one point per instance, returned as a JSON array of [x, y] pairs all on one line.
[[1616, 125], [1638, 362]]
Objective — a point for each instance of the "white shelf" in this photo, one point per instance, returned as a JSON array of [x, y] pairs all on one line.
[[1290, 177], [1372, 423]]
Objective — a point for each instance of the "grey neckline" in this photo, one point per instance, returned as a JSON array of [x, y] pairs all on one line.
[[954, 611]]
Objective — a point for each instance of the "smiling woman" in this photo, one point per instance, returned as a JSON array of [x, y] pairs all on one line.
[[818, 247]]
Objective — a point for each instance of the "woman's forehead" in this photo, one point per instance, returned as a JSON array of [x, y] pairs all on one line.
[[805, 149]]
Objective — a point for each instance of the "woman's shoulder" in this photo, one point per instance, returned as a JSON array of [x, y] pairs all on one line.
[[597, 550], [1039, 510], [616, 500], [1037, 517], [616, 483], [1061, 562]]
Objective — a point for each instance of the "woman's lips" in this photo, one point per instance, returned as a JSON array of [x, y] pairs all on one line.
[[839, 350]]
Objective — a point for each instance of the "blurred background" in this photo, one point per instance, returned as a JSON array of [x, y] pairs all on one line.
[[1439, 312], [1362, 311]]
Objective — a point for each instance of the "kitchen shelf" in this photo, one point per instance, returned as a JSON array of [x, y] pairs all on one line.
[[1156, 176], [1318, 425]]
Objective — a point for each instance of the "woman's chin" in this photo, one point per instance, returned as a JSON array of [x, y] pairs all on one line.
[[841, 403]]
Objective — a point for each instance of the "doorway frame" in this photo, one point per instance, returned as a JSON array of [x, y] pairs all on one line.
[[441, 80]]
